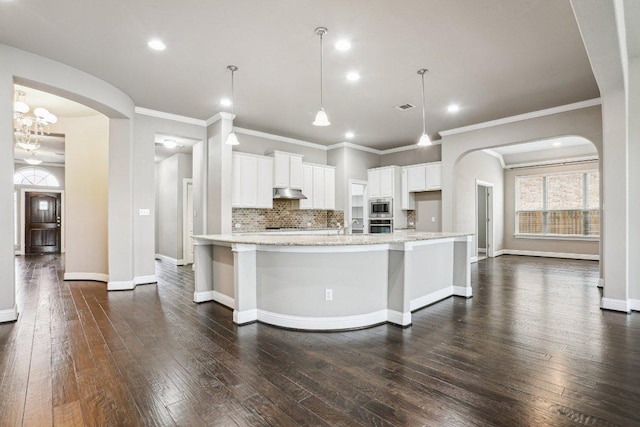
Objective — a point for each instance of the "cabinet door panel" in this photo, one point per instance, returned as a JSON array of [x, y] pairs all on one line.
[[307, 187], [249, 181], [417, 178], [386, 182], [281, 170], [318, 187], [236, 173], [373, 186], [329, 188], [265, 183], [295, 172], [434, 176], [408, 199]]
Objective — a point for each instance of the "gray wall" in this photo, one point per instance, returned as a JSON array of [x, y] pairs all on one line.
[[171, 173], [57, 171], [429, 211], [472, 167], [542, 245], [415, 156], [350, 163]]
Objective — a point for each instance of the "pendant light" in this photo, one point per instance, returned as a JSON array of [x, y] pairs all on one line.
[[321, 116], [424, 138], [231, 138]]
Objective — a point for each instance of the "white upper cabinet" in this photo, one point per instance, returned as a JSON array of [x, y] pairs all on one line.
[[382, 182], [424, 177], [329, 188], [319, 185], [307, 187], [287, 171], [252, 181]]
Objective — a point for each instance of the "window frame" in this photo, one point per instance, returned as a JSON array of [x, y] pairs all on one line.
[[545, 204]]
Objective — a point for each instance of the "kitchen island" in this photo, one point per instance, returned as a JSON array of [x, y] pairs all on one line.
[[330, 281]]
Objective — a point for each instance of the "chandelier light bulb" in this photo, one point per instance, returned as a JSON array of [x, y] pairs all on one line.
[[321, 119]]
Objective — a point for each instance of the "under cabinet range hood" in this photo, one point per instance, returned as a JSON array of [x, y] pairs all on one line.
[[288, 193]]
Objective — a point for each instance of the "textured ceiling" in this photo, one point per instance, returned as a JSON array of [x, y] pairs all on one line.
[[495, 58]]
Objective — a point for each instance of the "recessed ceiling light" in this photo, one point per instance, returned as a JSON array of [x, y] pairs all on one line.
[[453, 108], [349, 135], [156, 44], [557, 143], [353, 76], [225, 101], [343, 45], [170, 143]]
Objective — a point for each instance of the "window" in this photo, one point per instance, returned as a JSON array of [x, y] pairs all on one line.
[[35, 176], [564, 204]]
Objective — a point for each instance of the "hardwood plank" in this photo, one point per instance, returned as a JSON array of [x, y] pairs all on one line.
[[68, 415]]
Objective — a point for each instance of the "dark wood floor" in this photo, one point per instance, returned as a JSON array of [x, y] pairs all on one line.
[[530, 348]]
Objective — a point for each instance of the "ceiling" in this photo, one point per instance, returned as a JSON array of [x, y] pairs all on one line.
[[495, 58], [183, 145], [548, 151]]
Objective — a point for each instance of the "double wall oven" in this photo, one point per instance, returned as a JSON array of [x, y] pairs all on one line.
[[380, 215]]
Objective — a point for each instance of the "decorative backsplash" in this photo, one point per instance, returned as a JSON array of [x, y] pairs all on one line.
[[285, 214], [411, 219]]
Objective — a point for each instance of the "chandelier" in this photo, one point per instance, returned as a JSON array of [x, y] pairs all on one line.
[[30, 129]]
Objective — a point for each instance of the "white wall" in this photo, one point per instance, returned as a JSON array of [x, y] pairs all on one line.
[[414, 156], [57, 171], [541, 245], [471, 168], [86, 195]]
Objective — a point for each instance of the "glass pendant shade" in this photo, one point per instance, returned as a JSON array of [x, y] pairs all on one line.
[[321, 119], [32, 160], [424, 140], [21, 107], [28, 144], [232, 139]]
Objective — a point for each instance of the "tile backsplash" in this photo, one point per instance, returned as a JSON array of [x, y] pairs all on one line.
[[285, 214]]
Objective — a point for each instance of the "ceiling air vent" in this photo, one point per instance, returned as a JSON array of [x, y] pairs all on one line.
[[404, 107]]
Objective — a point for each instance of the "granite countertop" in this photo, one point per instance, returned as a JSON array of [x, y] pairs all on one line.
[[326, 240]]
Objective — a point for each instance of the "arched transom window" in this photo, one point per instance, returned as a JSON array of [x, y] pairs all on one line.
[[35, 176]]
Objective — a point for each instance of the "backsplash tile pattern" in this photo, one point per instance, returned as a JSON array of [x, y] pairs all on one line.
[[285, 214], [411, 219]]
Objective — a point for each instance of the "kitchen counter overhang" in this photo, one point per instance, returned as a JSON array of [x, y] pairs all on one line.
[[283, 279]]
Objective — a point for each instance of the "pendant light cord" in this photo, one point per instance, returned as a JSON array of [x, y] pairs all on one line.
[[424, 116], [321, 66], [233, 101]]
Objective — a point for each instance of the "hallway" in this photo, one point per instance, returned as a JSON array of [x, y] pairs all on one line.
[[530, 348]]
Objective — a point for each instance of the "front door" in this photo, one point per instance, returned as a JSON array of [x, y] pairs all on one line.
[[42, 223]]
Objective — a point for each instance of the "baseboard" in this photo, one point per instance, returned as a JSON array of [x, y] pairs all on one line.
[[247, 316], [473, 259], [125, 285], [550, 254], [173, 261], [482, 251], [335, 323], [601, 283], [615, 304], [634, 304], [9, 315], [498, 253], [423, 301], [398, 318], [19, 253], [463, 291], [144, 280], [92, 277]]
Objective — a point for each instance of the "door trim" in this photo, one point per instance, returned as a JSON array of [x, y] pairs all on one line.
[[185, 239], [23, 219], [490, 227]]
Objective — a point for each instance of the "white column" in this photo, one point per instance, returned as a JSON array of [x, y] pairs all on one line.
[[219, 175], [245, 284], [462, 267], [8, 310], [203, 258], [399, 280]]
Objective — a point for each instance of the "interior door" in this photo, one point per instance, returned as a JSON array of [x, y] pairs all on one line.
[[189, 218], [42, 222]]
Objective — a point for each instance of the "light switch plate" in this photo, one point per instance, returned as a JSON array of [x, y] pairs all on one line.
[[145, 212]]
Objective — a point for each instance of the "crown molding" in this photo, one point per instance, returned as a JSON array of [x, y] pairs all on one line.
[[169, 116], [525, 116], [496, 155], [354, 146], [280, 138], [219, 116]]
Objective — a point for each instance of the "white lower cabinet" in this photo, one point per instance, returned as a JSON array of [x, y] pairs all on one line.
[[252, 181], [319, 185]]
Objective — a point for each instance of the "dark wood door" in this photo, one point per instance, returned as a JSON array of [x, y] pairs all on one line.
[[43, 222]]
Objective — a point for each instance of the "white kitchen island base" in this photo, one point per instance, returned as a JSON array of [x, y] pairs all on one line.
[[331, 282]]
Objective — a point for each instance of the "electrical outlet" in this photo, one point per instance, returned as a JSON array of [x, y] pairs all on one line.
[[433, 219], [328, 294], [145, 212], [238, 225]]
